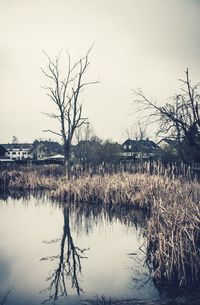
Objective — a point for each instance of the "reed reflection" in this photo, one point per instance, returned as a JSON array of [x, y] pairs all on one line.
[[85, 217], [69, 263]]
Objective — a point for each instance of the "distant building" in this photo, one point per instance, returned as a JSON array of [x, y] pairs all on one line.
[[139, 149], [39, 150], [18, 151]]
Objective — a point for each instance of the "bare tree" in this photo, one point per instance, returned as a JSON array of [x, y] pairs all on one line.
[[64, 92], [180, 119], [136, 131], [129, 132], [84, 133], [5, 296], [15, 140]]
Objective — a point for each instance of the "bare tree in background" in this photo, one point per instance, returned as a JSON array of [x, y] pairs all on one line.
[[15, 140], [64, 91], [84, 133], [136, 131], [180, 119]]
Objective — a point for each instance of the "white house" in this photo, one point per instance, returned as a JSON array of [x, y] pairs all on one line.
[[18, 151]]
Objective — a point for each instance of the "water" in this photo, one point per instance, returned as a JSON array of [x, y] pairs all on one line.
[[70, 254]]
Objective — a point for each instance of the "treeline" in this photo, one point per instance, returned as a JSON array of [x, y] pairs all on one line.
[[91, 151]]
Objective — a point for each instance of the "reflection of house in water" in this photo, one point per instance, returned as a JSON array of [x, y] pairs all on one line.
[[139, 149], [17, 151]]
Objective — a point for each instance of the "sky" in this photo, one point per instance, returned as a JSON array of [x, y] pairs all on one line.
[[145, 44]]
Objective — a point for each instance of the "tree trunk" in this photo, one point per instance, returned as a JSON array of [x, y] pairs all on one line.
[[67, 160], [67, 169]]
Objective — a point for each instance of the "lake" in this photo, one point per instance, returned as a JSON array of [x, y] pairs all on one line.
[[55, 254]]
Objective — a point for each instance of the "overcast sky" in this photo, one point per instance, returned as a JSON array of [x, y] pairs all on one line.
[[144, 44]]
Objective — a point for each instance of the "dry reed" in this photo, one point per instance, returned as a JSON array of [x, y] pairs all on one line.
[[173, 230], [173, 247]]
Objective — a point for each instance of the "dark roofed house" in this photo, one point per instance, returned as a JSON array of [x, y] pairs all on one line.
[[139, 149]]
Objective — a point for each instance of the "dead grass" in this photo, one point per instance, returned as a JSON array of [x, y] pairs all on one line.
[[173, 230], [173, 236]]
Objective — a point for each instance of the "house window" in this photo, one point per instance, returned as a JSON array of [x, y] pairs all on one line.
[[125, 146], [129, 147]]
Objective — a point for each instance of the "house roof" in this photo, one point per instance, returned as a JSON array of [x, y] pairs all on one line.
[[17, 146], [6, 160], [56, 157], [146, 145]]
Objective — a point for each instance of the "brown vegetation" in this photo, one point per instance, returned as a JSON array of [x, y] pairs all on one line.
[[173, 241], [173, 235]]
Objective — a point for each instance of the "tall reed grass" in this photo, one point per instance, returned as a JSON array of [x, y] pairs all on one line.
[[173, 241], [172, 200]]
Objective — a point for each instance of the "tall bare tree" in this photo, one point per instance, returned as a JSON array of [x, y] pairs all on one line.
[[64, 91], [179, 119], [136, 131]]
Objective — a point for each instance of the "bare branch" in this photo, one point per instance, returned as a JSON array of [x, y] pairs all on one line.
[[178, 118], [56, 133]]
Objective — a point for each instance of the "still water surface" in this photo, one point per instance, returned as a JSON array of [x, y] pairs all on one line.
[[69, 254]]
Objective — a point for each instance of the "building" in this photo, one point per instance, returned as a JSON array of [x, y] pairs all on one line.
[[18, 151], [139, 149]]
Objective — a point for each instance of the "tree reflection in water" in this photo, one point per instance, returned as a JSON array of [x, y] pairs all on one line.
[[69, 264]]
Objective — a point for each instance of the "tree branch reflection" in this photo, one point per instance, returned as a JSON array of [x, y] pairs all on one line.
[[69, 263]]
